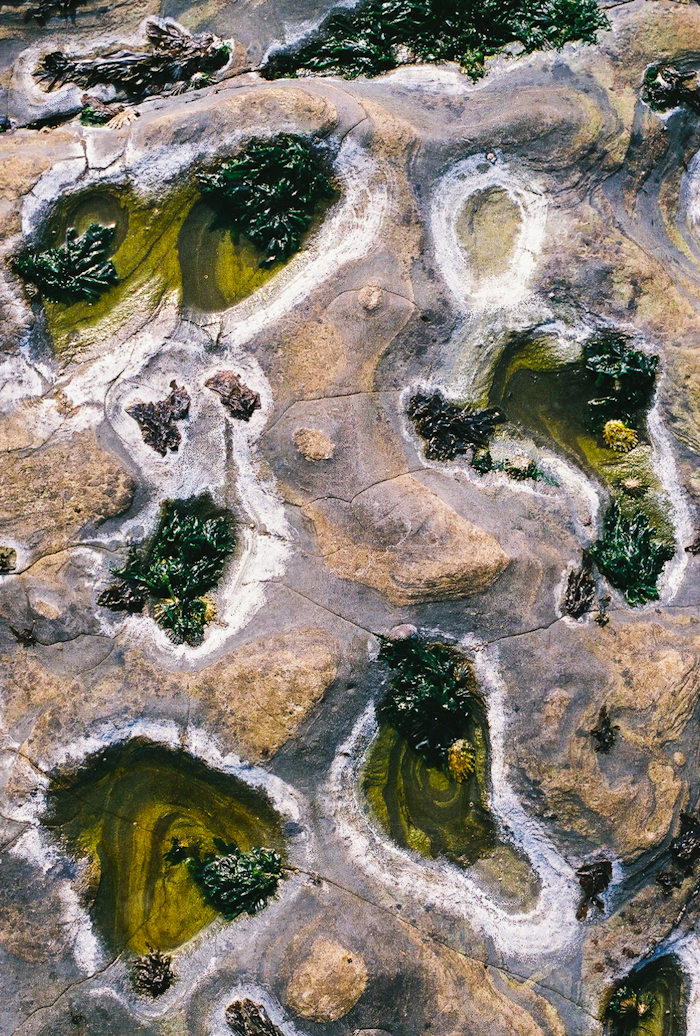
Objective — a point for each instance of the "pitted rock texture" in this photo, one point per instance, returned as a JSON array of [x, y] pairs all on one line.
[[54, 494]]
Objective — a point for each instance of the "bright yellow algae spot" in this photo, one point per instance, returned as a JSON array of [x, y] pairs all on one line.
[[121, 813]]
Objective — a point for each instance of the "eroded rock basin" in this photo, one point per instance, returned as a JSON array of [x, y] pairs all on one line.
[[118, 815]]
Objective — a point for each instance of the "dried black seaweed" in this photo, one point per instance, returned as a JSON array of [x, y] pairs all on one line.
[[604, 733], [157, 420], [240, 401], [246, 1018], [152, 974], [174, 57], [593, 878], [43, 11], [580, 588], [449, 428], [685, 849]]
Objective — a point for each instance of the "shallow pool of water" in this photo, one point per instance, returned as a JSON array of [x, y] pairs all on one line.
[[120, 812]]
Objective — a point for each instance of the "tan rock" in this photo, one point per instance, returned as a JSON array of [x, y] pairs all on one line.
[[252, 701], [313, 444], [400, 538], [257, 698], [652, 691], [328, 983], [50, 496], [370, 297]]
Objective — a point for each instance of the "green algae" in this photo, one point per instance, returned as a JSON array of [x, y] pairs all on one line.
[[650, 1002], [217, 271], [145, 257], [422, 808], [547, 396], [121, 811]]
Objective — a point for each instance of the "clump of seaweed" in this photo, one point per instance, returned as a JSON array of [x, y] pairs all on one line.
[[157, 420], [604, 732], [619, 436], [80, 269], [665, 87], [628, 1004], [152, 974], [233, 882], [173, 57], [269, 191], [378, 35], [246, 1018], [8, 559], [461, 759], [685, 848], [669, 881], [449, 428], [240, 401], [180, 564], [593, 878], [580, 588], [483, 462], [629, 557], [45, 9], [431, 700], [626, 377]]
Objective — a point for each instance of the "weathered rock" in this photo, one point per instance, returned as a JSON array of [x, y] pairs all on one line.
[[328, 983], [646, 674], [257, 698], [48, 497], [401, 539], [313, 444]]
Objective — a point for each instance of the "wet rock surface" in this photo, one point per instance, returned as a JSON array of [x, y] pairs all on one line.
[[548, 202]]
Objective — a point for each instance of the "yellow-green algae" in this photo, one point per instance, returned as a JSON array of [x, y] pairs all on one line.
[[218, 268], [168, 246], [659, 988], [120, 812], [547, 396], [423, 808]]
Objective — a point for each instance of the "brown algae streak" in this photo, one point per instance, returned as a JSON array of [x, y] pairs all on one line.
[[425, 809], [119, 814]]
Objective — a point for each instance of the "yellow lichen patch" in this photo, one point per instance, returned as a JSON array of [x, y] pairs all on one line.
[[461, 759], [121, 813], [619, 436]]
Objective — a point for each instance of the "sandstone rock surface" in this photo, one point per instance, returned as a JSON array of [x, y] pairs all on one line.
[[401, 539]]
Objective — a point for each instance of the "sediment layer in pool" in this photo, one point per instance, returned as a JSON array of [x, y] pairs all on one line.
[[120, 812]]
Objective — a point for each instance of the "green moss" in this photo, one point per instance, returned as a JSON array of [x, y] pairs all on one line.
[[268, 191], [120, 812], [364, 39], [177, 567]]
